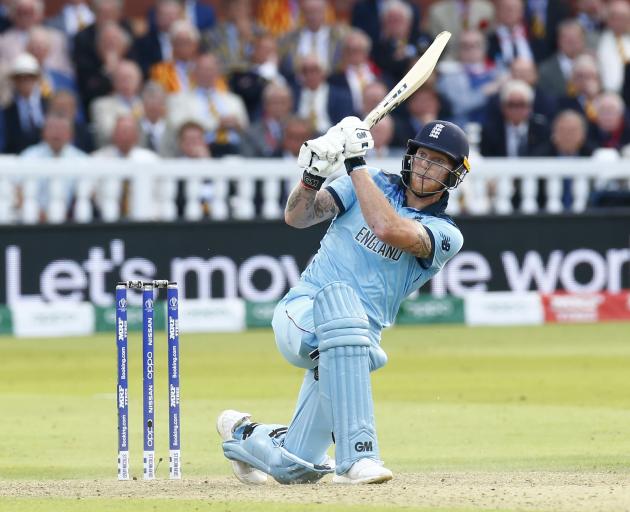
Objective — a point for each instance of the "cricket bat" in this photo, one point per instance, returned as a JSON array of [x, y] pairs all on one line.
[[411, 82]]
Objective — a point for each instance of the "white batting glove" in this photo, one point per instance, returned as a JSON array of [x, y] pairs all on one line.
[[324, 155], [357, 137]]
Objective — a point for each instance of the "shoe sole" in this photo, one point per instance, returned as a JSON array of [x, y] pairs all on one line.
[[379, 479]]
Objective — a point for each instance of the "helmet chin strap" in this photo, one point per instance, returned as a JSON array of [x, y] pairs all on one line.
[[423, 195]]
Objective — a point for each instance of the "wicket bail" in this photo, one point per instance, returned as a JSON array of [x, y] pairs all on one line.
[[148, 372]]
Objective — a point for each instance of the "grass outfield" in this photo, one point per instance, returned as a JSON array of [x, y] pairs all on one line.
[[465, 409]]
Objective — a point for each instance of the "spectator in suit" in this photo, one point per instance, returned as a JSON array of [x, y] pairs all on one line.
[[262, 69], [64, 103], [52, 80], [612, 125], [591, 15], [316, 37], [469, 82], [544, 103], [155, 46], [26, 14], [584, 87], [555, 72], [124, 142], [113, 46], [264, 137], [458, 16], [232, 40], [24, 117], [625, 91], [357, 71], [568, 140], [423, 106], [124, 99], [175, 75], [98, 47], [543, 18], [366, 13], [5, 21], [518, 131], [222, 112], [613, 50], [322, 104], [297, 130], [154, 132], [398, 48], [508, 40], [74, 16]]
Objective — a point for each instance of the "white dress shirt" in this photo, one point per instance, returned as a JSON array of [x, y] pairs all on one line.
[[310, 43], [314, 106]]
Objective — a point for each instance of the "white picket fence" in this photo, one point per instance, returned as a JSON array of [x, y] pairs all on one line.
[[32, 191]]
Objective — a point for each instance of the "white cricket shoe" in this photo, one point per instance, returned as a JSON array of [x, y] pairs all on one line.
[[227, 422], [364, 471]]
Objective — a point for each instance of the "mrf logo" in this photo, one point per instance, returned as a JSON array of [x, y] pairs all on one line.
[[363, 446], [436, 130], [446, 242]]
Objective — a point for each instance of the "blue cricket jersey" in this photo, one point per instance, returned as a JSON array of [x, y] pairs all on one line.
[[380, 274]]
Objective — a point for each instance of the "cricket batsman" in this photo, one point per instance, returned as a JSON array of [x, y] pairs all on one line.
[[389, 235]]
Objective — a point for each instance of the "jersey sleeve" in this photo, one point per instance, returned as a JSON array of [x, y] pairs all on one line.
[[446, 238], [343, 192]]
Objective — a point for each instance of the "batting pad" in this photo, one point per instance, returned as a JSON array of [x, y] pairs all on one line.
[[342, 329]]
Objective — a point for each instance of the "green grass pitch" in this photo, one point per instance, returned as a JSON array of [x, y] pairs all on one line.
[[452, 400]]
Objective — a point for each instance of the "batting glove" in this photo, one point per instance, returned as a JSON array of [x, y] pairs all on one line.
[[357, 141], [321, 157]]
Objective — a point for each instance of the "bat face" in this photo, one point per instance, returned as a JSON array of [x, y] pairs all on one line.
[[411, 82]]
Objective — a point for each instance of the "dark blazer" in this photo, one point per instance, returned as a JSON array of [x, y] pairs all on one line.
[[625, 91], [493, 140], [148, 51], [550, 77], [494, 52], [543, 47], [365, 16], [544, 105], [15, 138]]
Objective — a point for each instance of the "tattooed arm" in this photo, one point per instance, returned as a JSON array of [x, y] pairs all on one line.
[[306, 207], [405, 234]]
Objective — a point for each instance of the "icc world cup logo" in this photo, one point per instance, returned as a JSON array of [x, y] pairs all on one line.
[[173, 302], [122, 304], [148, 304]]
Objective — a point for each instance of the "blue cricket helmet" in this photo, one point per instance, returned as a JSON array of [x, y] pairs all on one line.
[[446, 138]]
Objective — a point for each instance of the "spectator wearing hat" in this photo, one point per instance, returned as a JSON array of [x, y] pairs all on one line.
[[24, 117]]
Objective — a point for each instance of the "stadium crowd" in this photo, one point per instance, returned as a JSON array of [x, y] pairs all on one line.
[[196, 80]]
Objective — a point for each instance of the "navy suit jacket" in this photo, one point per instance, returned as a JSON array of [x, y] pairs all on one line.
[[494, 143], [15, 138], [339, 103], [204, 14], [148, 51]]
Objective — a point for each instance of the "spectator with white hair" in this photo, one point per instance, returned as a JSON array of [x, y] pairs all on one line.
[[469, 82], [584, 87], [156, 46], [555, 72], [24, 15], [508, 40], [611, 128], [316, 100], [315, 37], [175, 74], [124, 98], [518, 131], [264, 137], [357, 71], [613, 51], [398, 48], [222, 112]]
